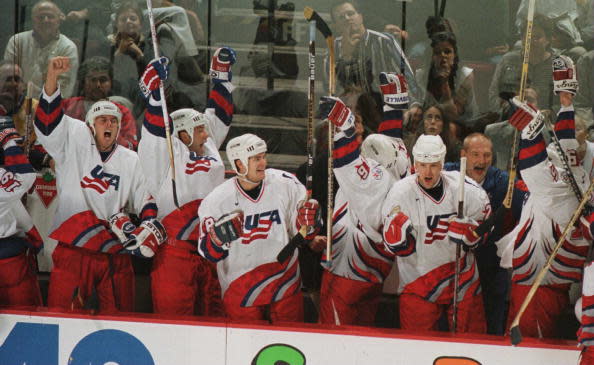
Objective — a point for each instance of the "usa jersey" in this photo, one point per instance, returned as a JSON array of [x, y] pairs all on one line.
[[548, 209], [249, 269], [16, 177], [89, 190], [355, 255], [195, 175], [357, 249], [426, 263]]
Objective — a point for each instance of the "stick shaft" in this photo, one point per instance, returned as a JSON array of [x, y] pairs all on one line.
[[149, 5], [310, 106], [460, 214]]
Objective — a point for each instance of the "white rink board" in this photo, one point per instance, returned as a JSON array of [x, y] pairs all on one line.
[[59, 339]]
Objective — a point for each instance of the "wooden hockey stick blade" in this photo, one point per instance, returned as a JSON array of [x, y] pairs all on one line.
[[311, 14], [515, 334], [287, 251]]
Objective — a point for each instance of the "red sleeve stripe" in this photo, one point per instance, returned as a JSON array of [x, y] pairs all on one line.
[[219, 100], [565, 129], [392, 124], [47, 116], [532, 152], [345, 151]]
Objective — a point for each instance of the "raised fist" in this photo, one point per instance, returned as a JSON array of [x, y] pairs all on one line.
[[220, 64], [394, 89], [526, 119], [334, 110], [564, 75]]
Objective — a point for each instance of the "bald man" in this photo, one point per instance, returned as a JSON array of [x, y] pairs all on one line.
[[478, 150]]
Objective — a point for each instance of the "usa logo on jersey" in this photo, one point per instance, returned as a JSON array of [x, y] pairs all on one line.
[[8, 182], [198, 164], [257, 226], [437, 227], [100, 181]]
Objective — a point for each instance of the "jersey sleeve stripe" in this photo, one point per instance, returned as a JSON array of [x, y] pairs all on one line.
[[48, 114], [211, 251], [16, 161], [346, 150], [532, 152], [392, 124], [149, 211], [221, 101]]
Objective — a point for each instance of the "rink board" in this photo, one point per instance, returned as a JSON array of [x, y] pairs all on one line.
[[39, 338]]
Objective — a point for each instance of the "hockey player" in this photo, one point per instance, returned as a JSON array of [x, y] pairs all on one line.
[[96, 180], [19, 240], [244, 223], [352, 282], [548, 208], [584, 309], [421, 228], [180, 278]]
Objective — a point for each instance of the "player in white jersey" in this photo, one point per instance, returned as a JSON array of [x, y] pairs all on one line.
[[546, 212], [352, 282], [96, 180], [182, 280], [244, 224], [19, 240], [584, 310], [422, 230]]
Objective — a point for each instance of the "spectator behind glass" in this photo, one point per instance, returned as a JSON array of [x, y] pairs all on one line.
[[436, 123], [447, 83], [95, 81], [361, 53], [539, 68], [32, 49]]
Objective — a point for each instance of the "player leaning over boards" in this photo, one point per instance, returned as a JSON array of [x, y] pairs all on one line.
[[96, 180], [182, 280], [244, 224]]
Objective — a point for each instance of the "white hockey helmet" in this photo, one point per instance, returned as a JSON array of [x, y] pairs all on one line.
[[383, 150], [103, 107], [429, 149], [242, 148], [186, 120]]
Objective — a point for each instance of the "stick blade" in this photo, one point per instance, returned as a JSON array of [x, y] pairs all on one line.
[[310, 15], [516, 335], [287, 251]]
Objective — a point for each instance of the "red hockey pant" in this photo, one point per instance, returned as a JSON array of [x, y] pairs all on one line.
[[289, 309], [419, 314], [18, 281], [542, 313], [348, 301], [184, 283], [78, 272]]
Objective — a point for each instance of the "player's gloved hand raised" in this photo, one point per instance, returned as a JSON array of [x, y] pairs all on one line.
[[397, 228], [145, 239], [309, 215], [121, 225], [220, 64], [394, 89], [335, 111], [461, 231], [155, 72], [564, 75], [227, 229], [526, 118]]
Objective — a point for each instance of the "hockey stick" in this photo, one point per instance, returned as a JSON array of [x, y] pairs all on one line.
[[299, 238], [28, 119], [458, 246], [321, 25], [516, 335], [442, 8], [149, 5]]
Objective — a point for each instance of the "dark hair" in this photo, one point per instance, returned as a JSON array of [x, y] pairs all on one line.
[[127, 5], [337, 3], [93, 64], [440, 30], [445, 131]]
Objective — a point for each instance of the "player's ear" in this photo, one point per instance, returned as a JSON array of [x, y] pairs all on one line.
[[240, 167]]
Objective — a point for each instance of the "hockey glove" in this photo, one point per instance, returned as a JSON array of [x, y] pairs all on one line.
[[157, 70], [564, 75], [310, 215], [145, 239], [121, 225], [461, 231], [334, 110], [220, 64], [394, 89], [396, 230], [7, 131], [227, 229], [527, 119]]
